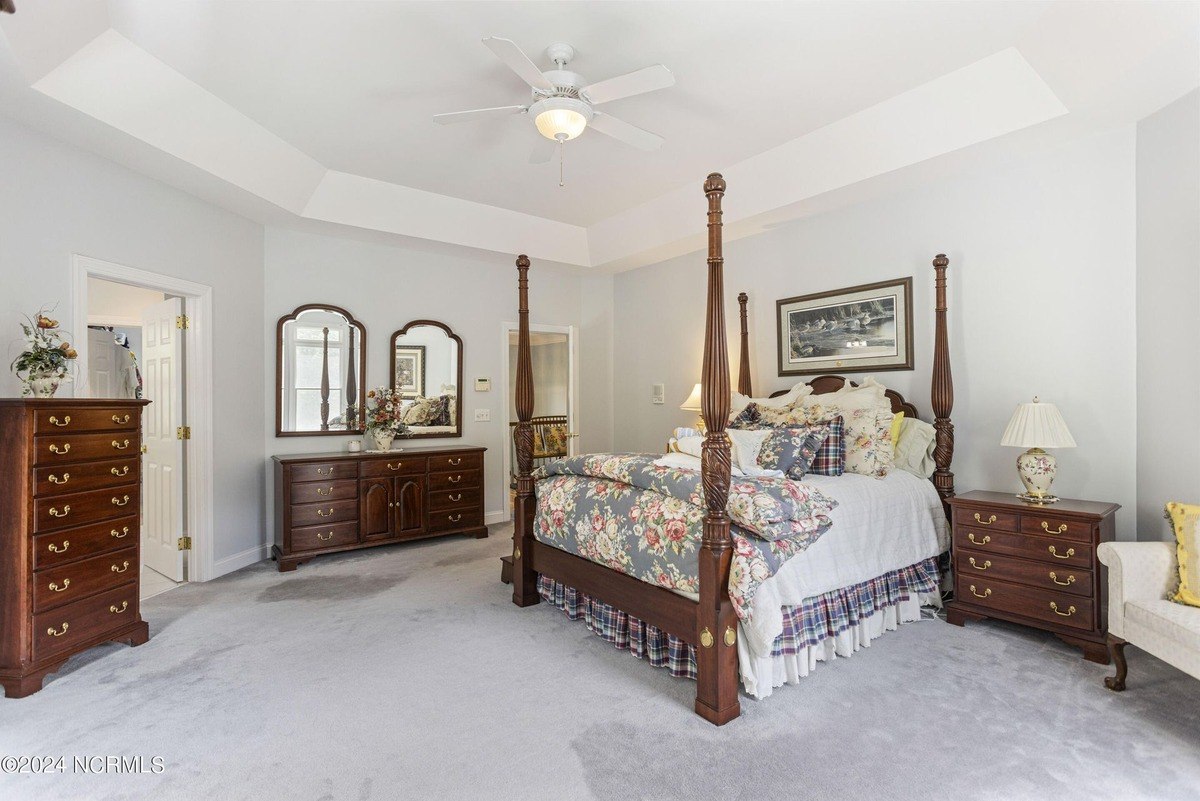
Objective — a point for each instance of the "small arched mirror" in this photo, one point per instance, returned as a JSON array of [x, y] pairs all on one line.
[[319, 372], [427, 373]]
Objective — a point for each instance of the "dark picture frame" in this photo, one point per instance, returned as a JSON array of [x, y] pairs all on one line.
[[408, 370], [856, 329]]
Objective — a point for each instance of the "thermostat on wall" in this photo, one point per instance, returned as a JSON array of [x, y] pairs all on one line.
[[483, 384], [657, 394]]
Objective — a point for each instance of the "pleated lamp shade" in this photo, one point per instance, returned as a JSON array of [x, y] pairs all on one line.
[[692, 404], [1037, 425]]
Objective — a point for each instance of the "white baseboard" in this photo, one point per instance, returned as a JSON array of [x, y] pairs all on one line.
[[242, 559], [492, 518]]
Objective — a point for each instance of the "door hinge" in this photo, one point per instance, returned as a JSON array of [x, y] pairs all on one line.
[[183, 322], [185, 543], [183, 432]]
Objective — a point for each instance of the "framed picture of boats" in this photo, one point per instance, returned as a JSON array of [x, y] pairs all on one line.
[[863, 328]]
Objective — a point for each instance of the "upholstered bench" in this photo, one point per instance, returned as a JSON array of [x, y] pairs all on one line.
[[1141, 575]]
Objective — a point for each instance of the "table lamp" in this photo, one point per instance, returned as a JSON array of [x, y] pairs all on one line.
[[692, 404], [1035, 426]]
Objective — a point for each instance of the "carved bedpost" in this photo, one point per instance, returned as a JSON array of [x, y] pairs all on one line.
[[942, 392], [744, 353], [351, 395], [325, 378], [524, 578], [716, 652]]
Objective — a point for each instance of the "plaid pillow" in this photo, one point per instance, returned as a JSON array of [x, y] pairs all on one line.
[[792, 449], [831, 457]]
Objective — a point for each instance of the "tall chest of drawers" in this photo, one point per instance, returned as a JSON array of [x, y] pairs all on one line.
[[70, 532], [1032, 564], [331, 502]]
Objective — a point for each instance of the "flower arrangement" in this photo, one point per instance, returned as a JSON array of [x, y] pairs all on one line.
[[384, 416], [47, 360]]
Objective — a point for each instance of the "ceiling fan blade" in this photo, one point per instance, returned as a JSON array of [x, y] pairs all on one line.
[[543, 151], [477, 114], [624, 132], [633, 83], [508, 52]]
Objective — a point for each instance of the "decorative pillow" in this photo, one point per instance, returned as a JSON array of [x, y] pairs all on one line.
[[749, 419], [422, 412], [913, 452], [868, 393], [897, 420], [738, 401], [442, 416], [1184, 518], [792, 450], [867, 428], [831, 456], [744, 447]]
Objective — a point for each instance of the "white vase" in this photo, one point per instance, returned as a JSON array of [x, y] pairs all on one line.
[[42, 386], [383, 439]]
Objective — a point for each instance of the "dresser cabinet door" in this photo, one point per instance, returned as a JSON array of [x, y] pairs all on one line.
[[376, 505], [410, 506]]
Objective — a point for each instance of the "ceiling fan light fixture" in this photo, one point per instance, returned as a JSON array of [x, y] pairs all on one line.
[[560, 118]]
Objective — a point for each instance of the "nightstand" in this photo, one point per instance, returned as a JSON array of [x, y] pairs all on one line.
[[1032, 564]]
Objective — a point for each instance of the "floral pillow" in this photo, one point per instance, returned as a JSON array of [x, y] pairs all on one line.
[[868, 430], [792, 450], [750, 419], [423, 412]]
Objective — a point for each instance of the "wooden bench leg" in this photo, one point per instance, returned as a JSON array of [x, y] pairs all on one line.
[[1116, 649]]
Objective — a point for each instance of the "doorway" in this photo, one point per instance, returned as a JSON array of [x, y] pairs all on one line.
[[144, 340], [555, 391]]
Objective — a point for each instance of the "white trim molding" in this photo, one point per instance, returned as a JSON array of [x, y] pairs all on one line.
[[198, 395], [250, 556]]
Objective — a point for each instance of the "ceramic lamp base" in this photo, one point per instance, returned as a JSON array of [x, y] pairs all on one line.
[[1037, 470]]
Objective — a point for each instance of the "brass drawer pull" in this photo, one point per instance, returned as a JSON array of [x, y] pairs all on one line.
[[324, 471], [122, 472], [116, 610], [119, 446], [120, 421], [455, 462], [986, 538], [455, 479], [66, 421], [66, 510], [55, 588], [455, 518], [1070, 580], [116, 502], [986, 564], [122, 534], [117, 569], [324, 537], [56, 449], [324, 492], [1067, 613], [1059, 530], [55, 549], [395, 466], [986, 592], [321, 513], [457, 497], [54, 633], [56, 480], [1070, 552], [988, 522]]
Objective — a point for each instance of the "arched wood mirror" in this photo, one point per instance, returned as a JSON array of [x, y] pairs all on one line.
[[427, 372], [319, 373]]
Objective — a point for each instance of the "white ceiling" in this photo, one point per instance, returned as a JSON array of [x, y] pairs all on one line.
[[307, 91]]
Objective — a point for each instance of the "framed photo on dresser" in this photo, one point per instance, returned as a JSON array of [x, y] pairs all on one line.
[[856, 329]]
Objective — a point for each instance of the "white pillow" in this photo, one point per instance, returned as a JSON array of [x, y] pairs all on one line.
[[914, 448], [738, 401], [867, 394], [743, 451]]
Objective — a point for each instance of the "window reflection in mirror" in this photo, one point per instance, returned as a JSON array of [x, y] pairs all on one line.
[[320, 372]]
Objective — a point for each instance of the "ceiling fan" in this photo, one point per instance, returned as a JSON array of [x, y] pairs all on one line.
[[563, 104], [8, 7]]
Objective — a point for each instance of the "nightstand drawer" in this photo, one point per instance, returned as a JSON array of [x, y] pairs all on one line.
[[1044, 605], [1042, 549], [973, 564], [1051, 526], [986, 519]]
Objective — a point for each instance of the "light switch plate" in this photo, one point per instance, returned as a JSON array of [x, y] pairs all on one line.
[[483, 415], [658, 394]]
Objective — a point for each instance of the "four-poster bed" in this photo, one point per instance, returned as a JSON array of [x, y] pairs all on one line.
[[706, 621]]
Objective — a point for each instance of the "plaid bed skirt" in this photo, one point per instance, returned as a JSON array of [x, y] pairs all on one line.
[[817, 619]]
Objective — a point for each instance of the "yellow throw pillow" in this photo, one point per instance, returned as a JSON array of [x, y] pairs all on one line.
[[897, 419], [1184, 518]]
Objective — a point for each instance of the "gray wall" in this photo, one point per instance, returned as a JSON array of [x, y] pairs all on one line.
[[1041, 303], [58, 201], [1168, 312]]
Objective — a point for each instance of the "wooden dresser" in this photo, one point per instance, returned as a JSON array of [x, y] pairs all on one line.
[[70, 531], [1034, 565], [331, 502]]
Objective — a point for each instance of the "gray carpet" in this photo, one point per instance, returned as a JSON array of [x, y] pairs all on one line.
[[405, 672]]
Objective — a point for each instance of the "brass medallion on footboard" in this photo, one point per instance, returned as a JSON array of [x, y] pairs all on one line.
[[332, 502], [70, 533]]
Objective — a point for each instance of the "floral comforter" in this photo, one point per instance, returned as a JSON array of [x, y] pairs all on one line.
[[630, 515]]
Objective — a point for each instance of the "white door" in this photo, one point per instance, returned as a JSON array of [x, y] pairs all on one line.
[[162, 465], [101, 378]]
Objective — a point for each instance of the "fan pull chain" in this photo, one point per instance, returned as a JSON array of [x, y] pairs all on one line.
[[562, 145]]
